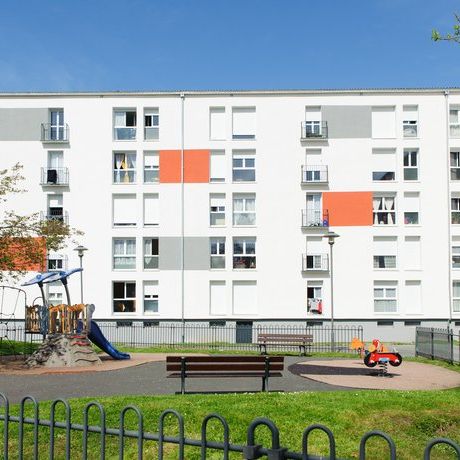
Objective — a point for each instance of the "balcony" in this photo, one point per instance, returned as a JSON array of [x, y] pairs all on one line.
[[55, 214], [312, 218], [313, 130], [54, 176], [314, 174], [55, 133], [315, 262]]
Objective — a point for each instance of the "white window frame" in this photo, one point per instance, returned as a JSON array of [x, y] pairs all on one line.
[[217, 253], [131, 130], [455, 299], [454, 121], [386, 297], [410, 121], [154, 168], [55, 298], [216, 211], [214, 154], [155, 257], [154, 115], [60, 262], [125, 172], [125, 254], [244, 167], [315, 303], [455, 165], [455, 210], [151, 298], [389, 262], [125, 298], [456, 256], [412, 156], [244, 260], [245, 136], [246, 213], [379, 213]]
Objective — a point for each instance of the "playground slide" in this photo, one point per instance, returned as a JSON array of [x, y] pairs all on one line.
[[97, 337]]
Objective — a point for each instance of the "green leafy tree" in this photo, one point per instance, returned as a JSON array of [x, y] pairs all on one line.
[[24, 240], [453, 36]]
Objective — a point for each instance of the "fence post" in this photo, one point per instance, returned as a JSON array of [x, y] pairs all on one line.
[[432, 343], [451, 345]]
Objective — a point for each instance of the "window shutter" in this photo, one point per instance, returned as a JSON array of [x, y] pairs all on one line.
[[151, 210], [244, 122], [124, 210], [217, 123], [217, 298], [217, 170]]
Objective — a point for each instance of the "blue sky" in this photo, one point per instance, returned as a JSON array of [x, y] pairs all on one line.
[[99, 45]]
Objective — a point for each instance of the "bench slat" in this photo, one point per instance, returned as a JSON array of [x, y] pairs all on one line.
[[224, 367], [228, 374], [224, 359]]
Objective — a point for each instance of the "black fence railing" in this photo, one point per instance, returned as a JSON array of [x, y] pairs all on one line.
[[436, 343], [216, 336], [54, 176], [314, 130], [315, 218], [54, 133], [58, 438]]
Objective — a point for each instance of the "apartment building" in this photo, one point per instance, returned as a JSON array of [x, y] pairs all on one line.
[[213, 206]]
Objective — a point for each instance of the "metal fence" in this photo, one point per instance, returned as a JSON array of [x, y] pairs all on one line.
[[66, 439], [216, 336], [437, 344]]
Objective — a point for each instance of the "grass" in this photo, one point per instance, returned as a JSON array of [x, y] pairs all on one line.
[[411, 418], [11, 347]]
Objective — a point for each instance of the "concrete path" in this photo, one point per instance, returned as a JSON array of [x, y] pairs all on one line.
[[144, 379]]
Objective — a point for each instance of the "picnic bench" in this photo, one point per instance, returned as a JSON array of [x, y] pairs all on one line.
[[184, 367], [299, 340]]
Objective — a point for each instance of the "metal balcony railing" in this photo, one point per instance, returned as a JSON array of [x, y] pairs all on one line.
[[314, 218], [54, 176], [55, 133], [314, 174], [313, 130], [315, 262], [55, 214]]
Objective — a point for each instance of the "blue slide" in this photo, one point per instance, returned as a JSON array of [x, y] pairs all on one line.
[[97, 337]]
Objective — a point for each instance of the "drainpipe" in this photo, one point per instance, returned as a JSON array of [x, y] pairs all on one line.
[[182, 267], [449, 217]]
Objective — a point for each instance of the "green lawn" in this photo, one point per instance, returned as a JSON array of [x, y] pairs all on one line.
[[411, 418]]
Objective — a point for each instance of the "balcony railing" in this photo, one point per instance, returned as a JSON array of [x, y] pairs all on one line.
[[315, 262], [54, 176], [55, 214], [314, 218], [314, 174], [55, 133], [313, 130]]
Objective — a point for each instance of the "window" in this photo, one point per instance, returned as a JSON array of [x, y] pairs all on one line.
[[454, 121], [244, 166], [244, 253], [412, 253], [151, 168], [244, 209], [57, 131], [124, 253], [151, 125], [455, 211], [243, 122], [151, 210], [150, 297], [455, 165], [383, 122], [314, 215], [383, 164], [384, 210], [456, 296], [316, 262], [55, 207], [124, 168], [455, 256], [410, 164], [217, 298], [124, 125], [56, 262], [384, 249], [217, 250], [55, 298], [151, 253], [313, 126], [124, 296], [217, 166], [56, 173], [217, 209], [385, 300], [124, 210], [244, 299], [315, 297], [217, 123], [411, 208], [410, 121]]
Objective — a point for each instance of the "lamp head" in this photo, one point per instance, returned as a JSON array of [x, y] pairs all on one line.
[[331, 236], [80, 250]]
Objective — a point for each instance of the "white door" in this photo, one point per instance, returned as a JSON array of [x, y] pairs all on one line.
[[314, 216]]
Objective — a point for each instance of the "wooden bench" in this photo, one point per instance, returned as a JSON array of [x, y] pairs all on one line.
[[184, 367], [296, 340]]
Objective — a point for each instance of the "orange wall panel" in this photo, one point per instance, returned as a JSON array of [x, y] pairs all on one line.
[[196, 166], [170, 166], [348, 208]]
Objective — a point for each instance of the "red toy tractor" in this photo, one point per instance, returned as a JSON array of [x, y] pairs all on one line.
[[376, 353]]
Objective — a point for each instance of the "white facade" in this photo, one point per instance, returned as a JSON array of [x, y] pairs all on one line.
[[271, 156]]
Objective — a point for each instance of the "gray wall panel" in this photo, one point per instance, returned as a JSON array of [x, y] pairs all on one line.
[[348, 121], [22, 124], [196, 253]]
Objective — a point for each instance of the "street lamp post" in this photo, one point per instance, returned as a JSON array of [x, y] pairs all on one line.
[[81, 251], [331, 236]]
